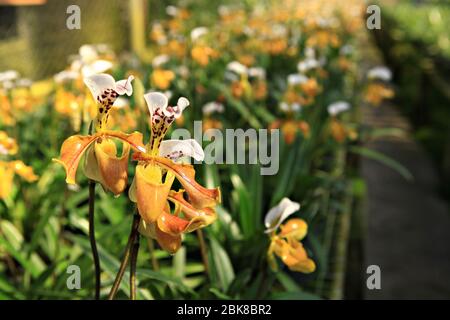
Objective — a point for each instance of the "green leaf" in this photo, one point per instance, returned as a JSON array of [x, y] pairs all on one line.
[[221, 267], [242, 201], [287, 282], [219, 294], [387, 161]]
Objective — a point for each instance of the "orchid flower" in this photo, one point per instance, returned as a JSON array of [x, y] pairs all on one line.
[[380, 73], [8, 146], [338, 107], [101, 162], [89, 63], [158, 166], [286, 244]]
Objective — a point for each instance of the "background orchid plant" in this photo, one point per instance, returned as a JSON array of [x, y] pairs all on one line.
[[282, 65], [155, 172]]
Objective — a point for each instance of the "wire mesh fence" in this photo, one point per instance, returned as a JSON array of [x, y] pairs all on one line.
[[35, 40]]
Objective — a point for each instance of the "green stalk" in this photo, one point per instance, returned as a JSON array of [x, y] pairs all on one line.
[[134, 256], [204, 252], [126, 256], [92, 240]]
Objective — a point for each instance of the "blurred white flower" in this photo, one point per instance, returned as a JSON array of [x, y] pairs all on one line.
[[380, 73], [279, 30], [346, 50], [172, 11], [183, 71], [212, 107], [310, 53], [279, 213], [198, 32], [88, 63], [66, 75], [237, 67], [290, 107], [337, 107], [24, 82], [296, 79], [223, 10], [9, 75], [257, 72], [307, 64], [159, 60]]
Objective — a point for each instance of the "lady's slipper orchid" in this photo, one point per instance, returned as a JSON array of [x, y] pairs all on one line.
[[8, 146], [157, 168], [286, 244], [380, 73], [279, 213], [102, 163], [338, 107]]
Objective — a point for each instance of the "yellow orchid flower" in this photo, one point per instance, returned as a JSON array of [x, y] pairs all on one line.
[[377, 92], [162, 79], [8, 146], [101, 162], [286, 244], [157, 168]]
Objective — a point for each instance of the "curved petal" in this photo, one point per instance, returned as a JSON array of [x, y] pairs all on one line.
[[199, 196], [172, 224], [175, 149], [279, 213], [295, 228], [124, 86], [113, 169], [297, 259], [155, 101], [74, 147], [72, 150], [170, 243], [150, 192], [198, 218], [99, 83], [176, 111]]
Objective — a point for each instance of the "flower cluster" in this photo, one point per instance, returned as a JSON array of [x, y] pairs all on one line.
[[159, 164], [286, 243]]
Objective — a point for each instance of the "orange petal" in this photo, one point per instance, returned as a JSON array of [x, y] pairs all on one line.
[[24, 171], [150, 192], [199, 196], [114, 170], [74, 147], [198, 218], [72, 150], [170, 243], [295, 228], [167, 241], [297, 259], [172, 224]]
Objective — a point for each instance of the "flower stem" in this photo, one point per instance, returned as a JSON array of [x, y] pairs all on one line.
[[126, 256], [92, 238], [154, 260], [204, 252], [133, 262]]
